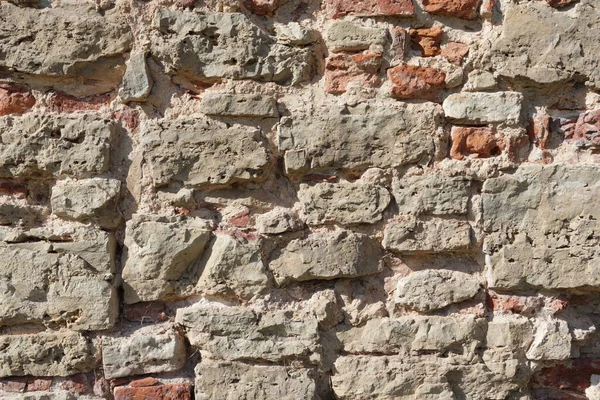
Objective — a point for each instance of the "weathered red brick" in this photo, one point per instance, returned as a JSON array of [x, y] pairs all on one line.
[[149, 381], [342, 69], [179, 391], [15, 385], [574, 377], [11, 188], [77, 384], [261, 7], [427, 40], [480, 142], [340, 8], [240, 220], [39, 384], [145, 312], [455, 52], [584, 132], [413, 82], [526, 305], [560, 3], [487, 9], [465, 9], [15, 99], [64, 103], [541, 130]]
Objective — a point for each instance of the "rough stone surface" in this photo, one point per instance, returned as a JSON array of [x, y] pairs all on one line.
[[362, 139], [137, 82], [45, 354], [15, 99], [351, 203], [349, 36], [199, 152], [162, 255], [434, 289], [465, 9], [224, 380], [413, 82], [474, 142], [174, 391], [343, 70], [148, 350], [94, 199], [239, 105], [340, 8], [66, 145], [339, 254], [481, 108]]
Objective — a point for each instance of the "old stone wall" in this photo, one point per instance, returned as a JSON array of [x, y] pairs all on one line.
[[299, 199]]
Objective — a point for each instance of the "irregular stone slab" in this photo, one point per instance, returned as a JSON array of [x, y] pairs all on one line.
[[210, 45], [552, 341], [514, 332], [426, 377], [548, 236], [278, 220], [430, 290], [234, 269], [92, 199], [60, 145], [339, 254], [45, 354], [539, 43], [237, 334], [404, 335], [350, 36], [465, 9], [149, 350], [70, 39], [199, 152], [483, 108], [361, 139], [58, 279], [410, 235], [431, 193], [368, 8], [222, 380], [137, 82], [239, 105], [344, 203], [161, 256]]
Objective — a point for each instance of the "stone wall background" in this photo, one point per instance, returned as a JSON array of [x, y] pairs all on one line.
[[295, 199]]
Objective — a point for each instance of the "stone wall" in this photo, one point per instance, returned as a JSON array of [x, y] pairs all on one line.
[[299, 199]]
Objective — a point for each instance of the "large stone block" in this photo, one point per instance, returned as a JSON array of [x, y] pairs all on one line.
[[239, 105], [58, 279], [360, 139], [45, 354], [349, 36], [343, 203], [238, 334], [482, 108], [409, 235], [66, 145], [148, 350], [222, 380], [70, 39], [199, 152], [210, 45], [539, 43], [430, 290], [339, 254], [368, 8], [94, 199], [162, 256], [542, 225]]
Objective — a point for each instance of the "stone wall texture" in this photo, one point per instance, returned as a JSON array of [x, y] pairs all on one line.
[[299, 199]]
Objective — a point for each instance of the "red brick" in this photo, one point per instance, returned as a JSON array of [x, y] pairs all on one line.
[[261, 7], [77, 384], [474, 141], [526, 305], [413, 82], [573, 378], [179, 391], [560, 3], [342, 69], [465, 9], [13, 385], [455, 52], [39, 384], [487, 9], [427, 40], [145, 312], [340, 8], [585, 130], [541, 131], [15, 99], [16, 189], [63, 103], [149, 381]]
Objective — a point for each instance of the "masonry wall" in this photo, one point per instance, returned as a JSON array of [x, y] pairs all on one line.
[[296, 199]]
